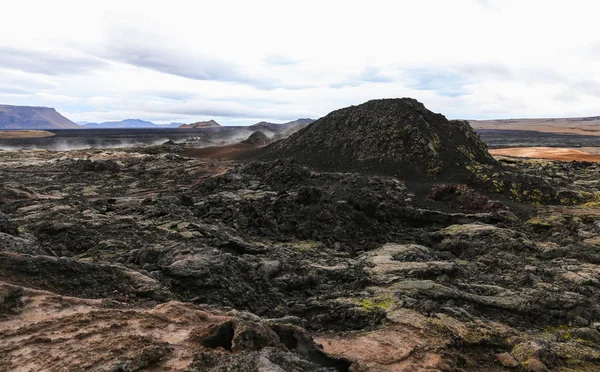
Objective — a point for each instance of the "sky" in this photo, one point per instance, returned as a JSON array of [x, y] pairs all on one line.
[[240, 62]]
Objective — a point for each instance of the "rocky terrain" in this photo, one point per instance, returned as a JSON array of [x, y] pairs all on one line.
[[155, 258], [25, 117]]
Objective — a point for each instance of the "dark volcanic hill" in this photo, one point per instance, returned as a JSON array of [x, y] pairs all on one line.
[[397, 137], [26, 117]]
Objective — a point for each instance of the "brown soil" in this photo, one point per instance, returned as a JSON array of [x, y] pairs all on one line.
[[552, 153], [25, 134], [221, 152]]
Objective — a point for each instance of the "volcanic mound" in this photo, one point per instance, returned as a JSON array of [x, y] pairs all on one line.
[[257, 138], [398, 137]]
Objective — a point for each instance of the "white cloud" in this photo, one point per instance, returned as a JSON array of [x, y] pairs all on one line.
[[58, 98], [244, 61]]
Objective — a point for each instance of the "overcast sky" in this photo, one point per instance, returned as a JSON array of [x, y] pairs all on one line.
[[240, 62]]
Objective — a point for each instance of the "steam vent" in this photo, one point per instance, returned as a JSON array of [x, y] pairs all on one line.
[[398, 137]]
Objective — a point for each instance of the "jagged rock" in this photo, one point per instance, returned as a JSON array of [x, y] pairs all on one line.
[[10, 300], [470, 240], [463, 197], [507, 360], [587, 334], [96, 166], [7, 226], [70, 277], [534, 356], [393, 261], [23, 244]]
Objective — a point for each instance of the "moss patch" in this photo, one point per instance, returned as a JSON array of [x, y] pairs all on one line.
[[370, 304]]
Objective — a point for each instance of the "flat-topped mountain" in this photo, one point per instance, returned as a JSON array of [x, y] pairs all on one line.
[[201, 124], [29, 117], [388, 136]]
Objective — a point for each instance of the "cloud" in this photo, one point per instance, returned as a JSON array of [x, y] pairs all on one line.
[[444, 82], [486, 3], [369, 74], [143, 47], [175, 63], [591, 87], [13, 90], [48, 62], [101, 101], [171, 94], [279, 60], [22, 83], [227, 109], [147, 49], [137, 50]]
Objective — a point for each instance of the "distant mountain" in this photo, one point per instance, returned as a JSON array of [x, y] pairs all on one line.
[[26, 117], [201, 124], [275, 127], [128, 123]]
